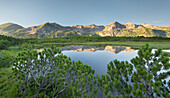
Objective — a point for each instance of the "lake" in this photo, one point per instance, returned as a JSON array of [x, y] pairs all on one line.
[[99, 57]]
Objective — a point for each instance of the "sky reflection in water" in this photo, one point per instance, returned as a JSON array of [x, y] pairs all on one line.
[[100, 58]]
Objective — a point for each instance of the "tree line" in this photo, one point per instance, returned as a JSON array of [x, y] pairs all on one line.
[[6, 41], [99, 39], [15, 41]]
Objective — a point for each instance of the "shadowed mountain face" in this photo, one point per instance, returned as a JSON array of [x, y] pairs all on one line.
[[54, 30], [10, 27]]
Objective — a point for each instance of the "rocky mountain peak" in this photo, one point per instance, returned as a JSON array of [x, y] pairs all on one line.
[[149, 26], [130, 25], [115, 25], [117, 22], [119, 25], [112, 24], [90, 26], [78, 26], [47, 24]]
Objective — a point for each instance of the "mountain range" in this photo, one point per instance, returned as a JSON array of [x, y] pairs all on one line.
[[54, 30]]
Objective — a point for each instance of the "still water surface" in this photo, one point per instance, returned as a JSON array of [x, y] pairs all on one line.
[[99, 57]]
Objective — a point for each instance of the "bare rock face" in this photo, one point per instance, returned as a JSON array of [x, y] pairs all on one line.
[[30, 30], [149, 26], [109, 27], [78, 26], [115, 25], [112, 29], [91, 26], [130, 25], [88, 29], [106, 33], [118, 25]]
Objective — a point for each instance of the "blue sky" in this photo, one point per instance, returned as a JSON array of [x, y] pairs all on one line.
[[85, 12]]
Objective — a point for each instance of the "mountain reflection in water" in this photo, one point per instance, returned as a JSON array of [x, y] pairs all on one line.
[[99, 57], [111, 49]]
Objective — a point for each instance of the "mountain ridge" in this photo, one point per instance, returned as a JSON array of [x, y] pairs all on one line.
[[54, 30]]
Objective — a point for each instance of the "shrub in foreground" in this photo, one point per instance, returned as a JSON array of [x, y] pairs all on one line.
[[50, 73], [4, 44], [6, 59], [140, 78]]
